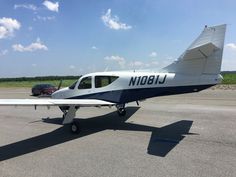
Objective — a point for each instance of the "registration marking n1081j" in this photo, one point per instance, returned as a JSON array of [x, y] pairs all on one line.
[[147, 80]]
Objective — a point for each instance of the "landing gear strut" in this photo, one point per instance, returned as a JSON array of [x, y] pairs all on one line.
[[68, 118], [121, 110]]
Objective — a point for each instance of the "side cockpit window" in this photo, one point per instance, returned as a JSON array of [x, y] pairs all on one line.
[[102, 81], [85, 83]]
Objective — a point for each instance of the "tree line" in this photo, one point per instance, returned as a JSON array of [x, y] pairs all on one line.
[[40, 78], [50, 78]]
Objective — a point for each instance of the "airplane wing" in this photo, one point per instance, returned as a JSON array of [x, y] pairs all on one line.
[[54, 102]]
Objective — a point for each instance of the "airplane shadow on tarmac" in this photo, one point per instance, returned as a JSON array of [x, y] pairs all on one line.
[[162, 140]]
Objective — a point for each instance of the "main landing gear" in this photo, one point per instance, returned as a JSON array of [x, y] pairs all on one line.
[[68, 118], [69, 115], [121, 111]]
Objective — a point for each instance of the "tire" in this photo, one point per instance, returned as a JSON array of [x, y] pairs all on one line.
[[121, 112], [75, 128]]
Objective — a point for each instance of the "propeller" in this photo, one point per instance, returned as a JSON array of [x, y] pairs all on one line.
[[59, 86]]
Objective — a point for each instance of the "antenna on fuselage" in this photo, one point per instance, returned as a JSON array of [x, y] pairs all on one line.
[[106, 69]]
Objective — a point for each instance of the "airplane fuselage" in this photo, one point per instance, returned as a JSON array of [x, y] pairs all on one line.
[[133, 86]]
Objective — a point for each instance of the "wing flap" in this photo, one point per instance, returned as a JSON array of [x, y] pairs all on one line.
[[54, 102]]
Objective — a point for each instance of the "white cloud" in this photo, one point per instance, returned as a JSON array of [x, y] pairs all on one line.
[[143, 65], [94, 48], [38, 45], [170, 58], [229, 57], [136, 64], [47, 18], [120, 60], [72, 67], [34, 65], [113, 21], [231, 46], [123, 63], [153, 54], [51, 5], [154, 63], [229, 62], [3, 52], [26, 6], [8, 27]]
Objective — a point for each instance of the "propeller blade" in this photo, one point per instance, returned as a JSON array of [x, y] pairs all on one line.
[[59, 86]]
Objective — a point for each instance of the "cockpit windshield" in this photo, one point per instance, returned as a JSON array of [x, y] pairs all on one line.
[[73, 85]]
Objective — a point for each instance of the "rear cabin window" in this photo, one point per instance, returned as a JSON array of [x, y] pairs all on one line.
[[85, 83], [102, 81]]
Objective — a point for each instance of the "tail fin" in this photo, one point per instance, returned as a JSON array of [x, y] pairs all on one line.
[[204, 55]]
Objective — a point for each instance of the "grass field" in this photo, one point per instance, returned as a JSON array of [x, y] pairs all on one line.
[[229, 78]]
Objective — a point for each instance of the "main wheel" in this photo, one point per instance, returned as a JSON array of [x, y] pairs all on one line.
[[121, 112], [75, 127]]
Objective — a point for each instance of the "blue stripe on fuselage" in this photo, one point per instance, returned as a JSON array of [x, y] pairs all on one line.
[[129, 95]]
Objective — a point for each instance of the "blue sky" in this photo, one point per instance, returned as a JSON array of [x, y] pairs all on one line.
[[80, 36]]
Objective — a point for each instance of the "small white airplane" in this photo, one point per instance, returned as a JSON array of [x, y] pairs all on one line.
[[196, 69]]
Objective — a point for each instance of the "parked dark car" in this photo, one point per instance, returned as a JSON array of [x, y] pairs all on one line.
[[43, 89]]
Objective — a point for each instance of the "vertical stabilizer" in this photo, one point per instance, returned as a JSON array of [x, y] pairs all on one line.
[[204, 55]]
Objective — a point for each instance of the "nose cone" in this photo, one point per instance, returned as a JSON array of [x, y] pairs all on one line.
[[55, 94], [60, 94]]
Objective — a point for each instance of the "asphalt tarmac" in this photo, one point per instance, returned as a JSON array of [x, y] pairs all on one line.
[[182, 135]]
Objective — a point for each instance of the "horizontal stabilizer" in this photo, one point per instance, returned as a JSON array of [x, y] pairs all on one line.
[[200, 51]]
